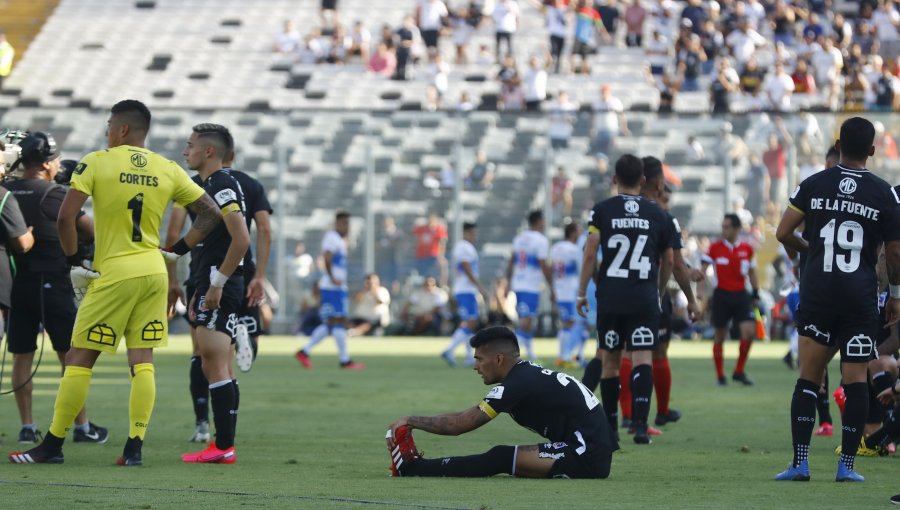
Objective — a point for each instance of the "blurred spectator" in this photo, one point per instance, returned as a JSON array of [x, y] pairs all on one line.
[[502, 306], [782, 22], [757, 186], [508, 70], [506, 22], [842, 30], [724, 84], [431, 16], [360, 42], [463, 24], [865, 37], [609, 16], [778, 88], [635, 15], [856, 89], [743, 213], [608, 121], [804, 83], [813, 27], [431, 245], [390, 251], [439, 78], [657, 53], [695, 150], [561, 194], [601, 180], [587, 26], [775, 159], [694, 12], [383, 62], [421, 314], [482, 173], [6, 58], [329, 16], [887, 92], [465, 103], [301, 263], [562, 117], [340, 46], [689, 60], [743, 42], [712, 41], [512, 97], [885, 145], [308, 312], [406, 36], [371, 308], [558, 27], [388, 36], [729, 146], [752, 77], [886, 21], [756, 13], [484, 57], [287, 42], [663, 15], [667, 88], [827, 62], [535, 85]]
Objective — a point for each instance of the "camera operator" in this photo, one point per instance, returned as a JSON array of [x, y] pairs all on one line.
[[14, 235], [42, 292]]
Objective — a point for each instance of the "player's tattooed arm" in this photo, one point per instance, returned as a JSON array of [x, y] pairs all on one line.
[[451, 424], [208, 216]]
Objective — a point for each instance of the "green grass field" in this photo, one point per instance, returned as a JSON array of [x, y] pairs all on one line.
[[314, 439]]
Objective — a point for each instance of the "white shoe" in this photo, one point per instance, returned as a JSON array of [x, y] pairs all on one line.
[[201, 433], [244, 356]]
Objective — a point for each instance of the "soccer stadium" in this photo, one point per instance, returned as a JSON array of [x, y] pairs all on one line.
[[410, 176]]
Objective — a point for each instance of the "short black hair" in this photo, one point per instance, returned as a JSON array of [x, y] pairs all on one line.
[[570, 229], [217, 136], [136, 114], [499, 337], [629, 170], [735, 220], [469, 225], [833, 153], [653, 169], [857, 138], [341, 214], [535, 216]]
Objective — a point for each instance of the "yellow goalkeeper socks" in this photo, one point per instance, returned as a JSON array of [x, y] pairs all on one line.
[[70, 399], [140, 403]]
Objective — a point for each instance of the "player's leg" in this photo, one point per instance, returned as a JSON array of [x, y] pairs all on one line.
[[339, 332], [641, 341], [662, 384], [497, 460], [22, 331], [823, 408], [814, 357], [467, 309], [563, 337], [527, 307], [216, 351], [611, 347], [199, 388], [625, 396], [23, 386], [748, 332], [721, 314]]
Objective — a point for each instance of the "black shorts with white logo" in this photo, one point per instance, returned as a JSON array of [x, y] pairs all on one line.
[[570, 464], [36, 299], [731, 306], [665, 319], [224, 318], [639, 332], [249, 315], [853, 333]]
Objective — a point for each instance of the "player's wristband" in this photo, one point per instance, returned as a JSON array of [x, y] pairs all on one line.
[[755, 294], [75, 260], [180, 248], [895, 291], [217, 279], [581, 297]]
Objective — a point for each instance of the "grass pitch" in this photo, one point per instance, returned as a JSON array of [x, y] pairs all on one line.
[[314, 439]]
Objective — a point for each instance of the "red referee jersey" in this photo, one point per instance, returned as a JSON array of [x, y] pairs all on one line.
[[732, 263]]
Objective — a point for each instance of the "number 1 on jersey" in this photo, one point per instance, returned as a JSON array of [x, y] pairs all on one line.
[[136, 205]]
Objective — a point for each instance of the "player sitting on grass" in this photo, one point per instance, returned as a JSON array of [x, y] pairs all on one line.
[[561, 408]]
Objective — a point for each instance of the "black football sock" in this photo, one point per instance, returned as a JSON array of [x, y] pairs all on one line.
[[641, 389], [854, 420], [222, 396], [237, 402], [497, 460], [609, 397], [803, 418], [199, 390], [254, 345], [823, 405], [592, 373]]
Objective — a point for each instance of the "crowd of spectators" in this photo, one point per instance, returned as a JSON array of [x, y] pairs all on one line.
[[769, 55]]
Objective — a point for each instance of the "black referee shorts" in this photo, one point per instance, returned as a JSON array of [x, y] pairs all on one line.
[[41, 299], [729, 306]]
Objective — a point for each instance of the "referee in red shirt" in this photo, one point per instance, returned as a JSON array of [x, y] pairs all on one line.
[[734, 264]]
